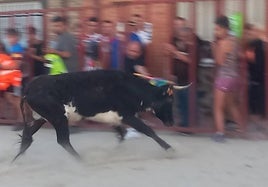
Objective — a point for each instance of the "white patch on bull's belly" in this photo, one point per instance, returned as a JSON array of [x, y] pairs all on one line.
[[109, 117], [71, 113]]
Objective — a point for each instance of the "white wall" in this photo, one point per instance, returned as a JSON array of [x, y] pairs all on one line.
[[20, 21], [20, 6], [256, 12], [183, 10], [205, 16], [232, 6]]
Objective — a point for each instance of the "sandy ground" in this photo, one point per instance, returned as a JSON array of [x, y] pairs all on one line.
[[197, 162]]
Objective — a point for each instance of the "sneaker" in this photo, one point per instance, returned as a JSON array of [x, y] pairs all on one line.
[[132, 133], [230, 125], [220, 138]]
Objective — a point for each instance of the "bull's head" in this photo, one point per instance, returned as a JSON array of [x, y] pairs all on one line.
[[162, 105]]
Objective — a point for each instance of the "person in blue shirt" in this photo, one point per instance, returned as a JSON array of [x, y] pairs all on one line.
[[116, 54], [137, 33], [13, 45], [111, 46]]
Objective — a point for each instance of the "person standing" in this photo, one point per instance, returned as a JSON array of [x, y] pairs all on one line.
[[179, 50], [35, 52], [6, 84], [16, 51], [256, 68], [91, 45], [134, 64], [107, 32], [255, 56], [132, 60], [226, 85], [137, 34], [137, 30], [65, 44], [111, 47]]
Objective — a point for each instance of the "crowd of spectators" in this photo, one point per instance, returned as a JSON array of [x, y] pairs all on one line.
[[104, 46]]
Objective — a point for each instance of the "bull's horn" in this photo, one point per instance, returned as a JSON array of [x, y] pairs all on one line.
[[176, 87], [153, 78], [143, 76]]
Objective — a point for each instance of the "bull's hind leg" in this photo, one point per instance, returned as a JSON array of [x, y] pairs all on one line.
[[53, 111], [26, 137], [143, 128]]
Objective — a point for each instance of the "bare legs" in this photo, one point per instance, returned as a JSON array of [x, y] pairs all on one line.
[[224, 101], [219, 106]]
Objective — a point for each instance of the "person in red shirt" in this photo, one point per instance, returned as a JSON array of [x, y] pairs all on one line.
[[6, 61], [10, 77]]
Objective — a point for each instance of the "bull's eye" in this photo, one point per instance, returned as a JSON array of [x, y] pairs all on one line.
[[169, 91]]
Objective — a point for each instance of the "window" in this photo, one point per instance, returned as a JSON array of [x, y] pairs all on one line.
[[20, 21], [232, 6], [205, 16], [256, 12]]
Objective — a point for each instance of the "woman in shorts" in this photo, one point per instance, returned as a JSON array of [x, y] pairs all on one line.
[[226, 85]]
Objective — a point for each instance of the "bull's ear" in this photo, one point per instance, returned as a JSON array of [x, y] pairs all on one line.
[[166, 90], [170, 91]]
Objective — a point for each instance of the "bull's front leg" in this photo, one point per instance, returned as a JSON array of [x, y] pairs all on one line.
[[121, 132], [61, 126], [138, 124]]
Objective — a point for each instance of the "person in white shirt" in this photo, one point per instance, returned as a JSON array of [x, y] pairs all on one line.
[[91, 45], [138, 34]]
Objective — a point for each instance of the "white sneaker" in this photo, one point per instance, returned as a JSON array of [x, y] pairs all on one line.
[[132, 133]]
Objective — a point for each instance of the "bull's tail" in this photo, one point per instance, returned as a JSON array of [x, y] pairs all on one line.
[[22, 109]]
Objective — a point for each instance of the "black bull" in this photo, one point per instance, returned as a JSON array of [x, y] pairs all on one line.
[[111, 97]]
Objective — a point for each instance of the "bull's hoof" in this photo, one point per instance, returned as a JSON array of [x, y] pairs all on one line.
[[120, 138], [25, 144], [171, 153], [170, 150]]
